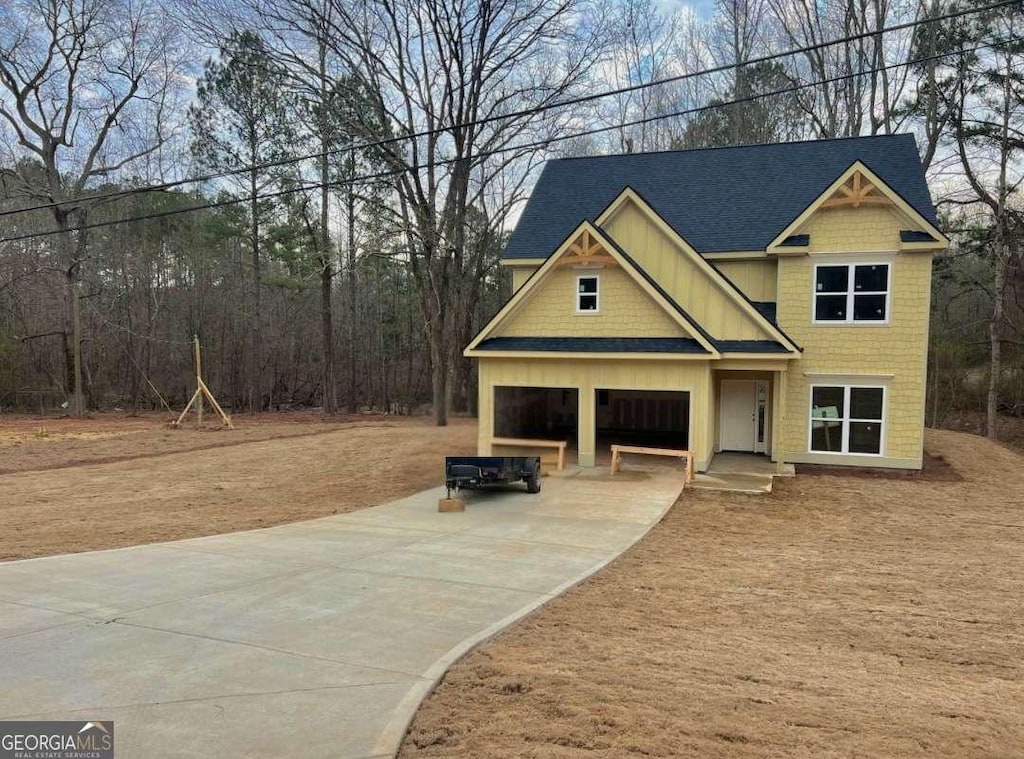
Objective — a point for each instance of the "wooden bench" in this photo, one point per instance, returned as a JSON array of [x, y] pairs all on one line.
[[558, 445], [618, 450]]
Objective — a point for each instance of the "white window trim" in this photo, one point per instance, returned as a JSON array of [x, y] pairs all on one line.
[[850, 293], [845, 419], [596, 294]]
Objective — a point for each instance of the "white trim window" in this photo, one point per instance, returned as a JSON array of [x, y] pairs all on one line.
[[587, 294], [847, 419], [851, 293]]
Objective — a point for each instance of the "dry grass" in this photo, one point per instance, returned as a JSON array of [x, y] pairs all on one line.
[[840, 616], [32, 443], [109, 482]]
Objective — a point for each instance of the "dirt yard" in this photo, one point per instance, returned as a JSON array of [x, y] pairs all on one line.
[[840, 616], [79, 485]]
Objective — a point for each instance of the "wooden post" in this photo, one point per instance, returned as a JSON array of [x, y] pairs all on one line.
[[202, 390], [199, 379]]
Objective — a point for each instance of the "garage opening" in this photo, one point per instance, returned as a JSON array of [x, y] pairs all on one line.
[[544, 413], [654, 419]]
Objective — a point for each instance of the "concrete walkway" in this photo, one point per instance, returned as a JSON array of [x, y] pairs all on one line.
[[315, 639]]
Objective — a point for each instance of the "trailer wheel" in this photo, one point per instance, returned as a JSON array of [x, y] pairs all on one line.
[[533, 480]]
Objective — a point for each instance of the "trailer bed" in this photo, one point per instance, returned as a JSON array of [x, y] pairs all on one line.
[[467, 472]]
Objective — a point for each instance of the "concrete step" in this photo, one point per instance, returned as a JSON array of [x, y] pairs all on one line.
[[735, 482]]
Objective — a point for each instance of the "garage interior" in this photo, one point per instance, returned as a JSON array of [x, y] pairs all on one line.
[[544, 413], [655, 419]]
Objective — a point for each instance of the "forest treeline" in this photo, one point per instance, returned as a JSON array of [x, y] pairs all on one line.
[[320, 189]]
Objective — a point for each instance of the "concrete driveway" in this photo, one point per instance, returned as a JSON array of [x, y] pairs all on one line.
[[314, 639]]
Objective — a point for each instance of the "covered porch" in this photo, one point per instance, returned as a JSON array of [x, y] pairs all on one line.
[[746, 414]]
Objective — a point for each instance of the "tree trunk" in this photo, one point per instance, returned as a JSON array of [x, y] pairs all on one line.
[[255, 383], [996, 340], [74, 253], [350, 210], [439, 379], [330, 401], [330, 398]]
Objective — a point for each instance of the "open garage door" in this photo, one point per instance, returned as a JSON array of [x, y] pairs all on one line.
[[656, 419], [536, 412]]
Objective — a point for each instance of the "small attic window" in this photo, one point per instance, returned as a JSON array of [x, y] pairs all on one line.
[[586, 294]]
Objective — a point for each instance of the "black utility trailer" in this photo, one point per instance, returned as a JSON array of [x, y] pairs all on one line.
[[474, 471]]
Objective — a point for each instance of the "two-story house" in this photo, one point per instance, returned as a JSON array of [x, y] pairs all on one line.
[[769, 298]]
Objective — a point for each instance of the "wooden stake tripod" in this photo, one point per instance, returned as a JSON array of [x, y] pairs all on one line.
[[201, 391]]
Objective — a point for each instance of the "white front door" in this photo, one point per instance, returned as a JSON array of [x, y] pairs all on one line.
[[739, 415]]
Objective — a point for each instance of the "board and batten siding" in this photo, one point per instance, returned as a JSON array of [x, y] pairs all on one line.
[[520, 274], [661, 257], [624, 309], [590, 375], [757, 279], [891, 355]]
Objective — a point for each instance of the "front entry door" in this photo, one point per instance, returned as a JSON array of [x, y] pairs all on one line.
[[739, 415]]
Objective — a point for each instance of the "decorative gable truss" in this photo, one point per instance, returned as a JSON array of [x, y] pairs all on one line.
[[858, 191], [586, 251], [859, 187]]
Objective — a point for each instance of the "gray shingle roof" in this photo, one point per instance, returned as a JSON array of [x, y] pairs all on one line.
[[750, 346], [594, 344], [719, 199], [767, 308], [625, 345], [912, 235]]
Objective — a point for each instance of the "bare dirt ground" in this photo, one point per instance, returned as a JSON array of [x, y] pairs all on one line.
[[79, 485], [840, 616]]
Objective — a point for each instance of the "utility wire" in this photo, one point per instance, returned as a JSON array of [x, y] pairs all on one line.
[[526, 146], [112, 195]]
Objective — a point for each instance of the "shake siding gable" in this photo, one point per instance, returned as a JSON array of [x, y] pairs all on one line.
[[625, 310]]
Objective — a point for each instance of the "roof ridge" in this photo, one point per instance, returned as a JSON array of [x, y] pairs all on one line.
[[742, 146]]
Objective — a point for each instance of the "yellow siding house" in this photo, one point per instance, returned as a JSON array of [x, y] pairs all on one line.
[[769, 299]]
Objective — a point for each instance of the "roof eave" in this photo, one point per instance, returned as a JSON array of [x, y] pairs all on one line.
[[630, 356]]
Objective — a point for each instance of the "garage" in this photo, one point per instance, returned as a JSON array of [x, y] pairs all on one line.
[[652, 418], [593, 403]]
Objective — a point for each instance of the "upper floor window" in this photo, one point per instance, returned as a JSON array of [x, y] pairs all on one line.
[[586, 294], [851, 293]]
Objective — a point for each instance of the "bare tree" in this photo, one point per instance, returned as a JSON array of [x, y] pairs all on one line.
[[86, 90], [741, 34], [852, 89], [987, 107], [439, 70], [644, 51]]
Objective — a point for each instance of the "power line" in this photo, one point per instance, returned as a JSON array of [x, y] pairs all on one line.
[[113, 195], [515, 148]]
